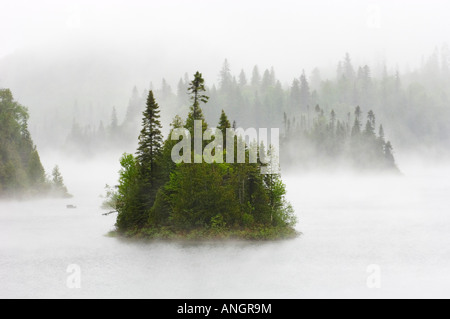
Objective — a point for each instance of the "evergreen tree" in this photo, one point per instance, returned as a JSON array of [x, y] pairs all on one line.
[[389, 156], [356, 130], [150, 139], [370, 125], [21, 170], [210, 198], [242, 79], [149, 151], [295, 95], [305, 94], [133, 109], [224, 123], [196, 90], [349, 71], [256, 77], [225, 79], [267, 80], [58, 187], [114, 120]]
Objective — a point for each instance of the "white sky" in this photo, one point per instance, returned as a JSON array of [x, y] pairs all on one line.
[[281, 33]]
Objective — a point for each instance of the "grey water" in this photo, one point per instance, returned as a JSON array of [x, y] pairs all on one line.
[[348, 223]]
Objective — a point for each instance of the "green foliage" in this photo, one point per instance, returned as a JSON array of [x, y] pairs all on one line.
[[248, 220], [149, 153], [196, 90], [217, 199], [127, 198], [21, 170], [57, 184], [218, 222]]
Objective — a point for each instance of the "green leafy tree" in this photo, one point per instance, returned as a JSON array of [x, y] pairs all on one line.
[[127, 197]]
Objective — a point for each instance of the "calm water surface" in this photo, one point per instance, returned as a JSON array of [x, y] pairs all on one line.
[[402, 225]]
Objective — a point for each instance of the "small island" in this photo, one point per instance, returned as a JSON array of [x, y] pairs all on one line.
[[158, 198]]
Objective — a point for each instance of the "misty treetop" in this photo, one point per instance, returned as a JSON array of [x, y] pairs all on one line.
[[411, 106], [157, 198], [318, 140], [21, 170]]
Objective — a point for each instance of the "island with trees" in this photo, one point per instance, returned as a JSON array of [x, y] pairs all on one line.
[[21, 172], [157, 198]]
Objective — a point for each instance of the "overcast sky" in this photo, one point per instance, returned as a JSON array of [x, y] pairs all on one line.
[[271, 33]]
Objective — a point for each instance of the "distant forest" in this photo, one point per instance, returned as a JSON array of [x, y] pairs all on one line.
[[320, 114]]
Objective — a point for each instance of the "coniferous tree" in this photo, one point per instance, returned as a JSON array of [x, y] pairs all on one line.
[[224, 124], [389, 156], [58, 187], [305, 94], [210, 197], [225, 79], [256, 77], [196, 90], [149, 151], [242, 79], [21, 170], [295, 95]]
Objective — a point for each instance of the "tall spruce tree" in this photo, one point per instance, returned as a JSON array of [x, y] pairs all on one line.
[[196, 91], [224, 124], [149, 151]]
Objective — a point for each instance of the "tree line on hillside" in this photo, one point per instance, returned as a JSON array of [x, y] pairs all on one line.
[[320, 139], [412, 106], [21, 170]]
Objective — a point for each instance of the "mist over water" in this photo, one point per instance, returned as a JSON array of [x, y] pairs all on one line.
[[84, 70], [349, 222]]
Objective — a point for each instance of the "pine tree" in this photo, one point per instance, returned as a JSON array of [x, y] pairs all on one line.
[[256, 77], [21, 170], [242, 79], [305, 94], [114, 120], [295, 95], [349, 72], [389, 156], [267, 80], [225, 79], [196, 90], [224, 124], [150, 139], [356, 130], [58, 187], [134, 106], [381, 136], [370, 125], [149, 151]]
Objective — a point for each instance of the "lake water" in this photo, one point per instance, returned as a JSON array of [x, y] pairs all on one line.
[[401, 225]]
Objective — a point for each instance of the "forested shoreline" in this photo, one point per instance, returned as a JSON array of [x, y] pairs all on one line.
[[21, 172], [260, 99]]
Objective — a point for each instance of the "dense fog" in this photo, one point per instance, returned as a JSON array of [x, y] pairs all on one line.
[[359, 90]]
